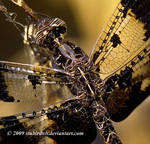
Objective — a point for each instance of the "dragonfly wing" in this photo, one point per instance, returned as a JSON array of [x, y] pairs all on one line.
[[29, 85], [124, 99], [122, 55], [68, 122], [125, 34]]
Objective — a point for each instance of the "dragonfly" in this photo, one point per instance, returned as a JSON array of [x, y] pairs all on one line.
[[94, 89]]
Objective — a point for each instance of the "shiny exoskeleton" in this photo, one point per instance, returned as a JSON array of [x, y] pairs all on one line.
[[85, 83], [96, 100]]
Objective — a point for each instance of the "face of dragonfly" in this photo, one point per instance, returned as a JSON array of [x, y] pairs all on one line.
[[46, 30]]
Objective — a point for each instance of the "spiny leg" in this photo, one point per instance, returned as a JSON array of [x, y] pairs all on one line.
[[22, 4], [11, 17]]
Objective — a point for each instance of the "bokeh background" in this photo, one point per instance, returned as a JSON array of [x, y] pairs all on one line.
[[85, 19]]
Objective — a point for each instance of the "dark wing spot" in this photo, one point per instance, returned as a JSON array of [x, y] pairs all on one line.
[[4, 96], [115, 39], [34, 80]]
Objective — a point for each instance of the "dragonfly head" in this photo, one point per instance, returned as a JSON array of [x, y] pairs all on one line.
[[46, 30]]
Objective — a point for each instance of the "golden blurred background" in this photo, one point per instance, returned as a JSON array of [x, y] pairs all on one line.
[[85, 19]]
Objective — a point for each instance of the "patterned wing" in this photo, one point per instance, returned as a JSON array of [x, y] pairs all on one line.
[[22, 84], [70, 122], [125, 35], [129, 87], [122, 58], [31, 87], [132, 88]]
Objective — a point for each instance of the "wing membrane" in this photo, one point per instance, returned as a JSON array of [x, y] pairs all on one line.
[[137, 90], [53, 121], [30, 86], [120, 41]]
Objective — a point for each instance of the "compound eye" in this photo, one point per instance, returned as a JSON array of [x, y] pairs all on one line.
[[61, 29]]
